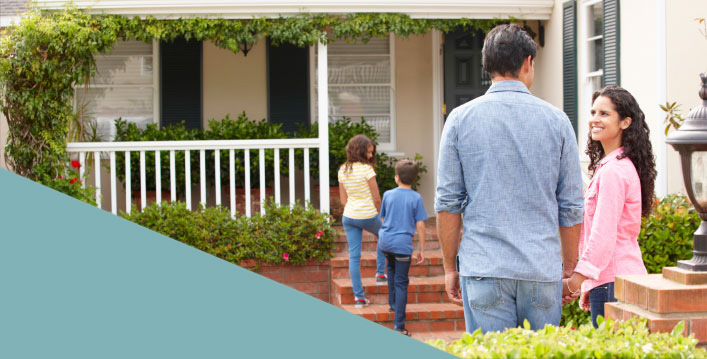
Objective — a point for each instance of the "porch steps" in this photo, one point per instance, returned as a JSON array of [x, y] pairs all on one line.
[[429, 314]]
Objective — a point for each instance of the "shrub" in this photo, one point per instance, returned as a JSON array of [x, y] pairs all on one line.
[[385, 171], [629, 339], [281, 235], [665, 238], [666, 235]]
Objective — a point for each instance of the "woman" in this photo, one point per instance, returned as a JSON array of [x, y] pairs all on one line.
[[621, 191], [361, 200]]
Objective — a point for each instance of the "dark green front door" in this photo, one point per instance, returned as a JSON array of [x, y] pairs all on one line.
[[464, 79]]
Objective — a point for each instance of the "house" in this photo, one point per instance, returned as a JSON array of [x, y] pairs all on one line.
[[403, 86]]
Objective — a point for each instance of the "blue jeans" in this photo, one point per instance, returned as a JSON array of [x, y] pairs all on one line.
[[597, 297], [494, 304], [398, 280], [354, 234]]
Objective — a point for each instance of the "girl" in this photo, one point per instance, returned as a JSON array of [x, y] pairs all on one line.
[[621, 191], [361, 200]]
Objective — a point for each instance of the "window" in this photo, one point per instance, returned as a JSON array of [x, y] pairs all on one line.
[[361, 85], [594, 45], [122, 87]]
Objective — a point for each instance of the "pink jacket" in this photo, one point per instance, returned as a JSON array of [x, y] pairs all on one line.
[[608, 243]]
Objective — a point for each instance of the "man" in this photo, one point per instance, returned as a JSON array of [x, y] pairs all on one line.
[[508, 164]]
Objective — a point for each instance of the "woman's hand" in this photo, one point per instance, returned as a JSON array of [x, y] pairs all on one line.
[[584, 301]]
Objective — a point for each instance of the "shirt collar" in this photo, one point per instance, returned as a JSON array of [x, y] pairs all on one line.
[[612, 156], [509, 85]]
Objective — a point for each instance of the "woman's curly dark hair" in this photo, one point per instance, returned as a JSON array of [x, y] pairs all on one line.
[[356, 151], [635, 141]]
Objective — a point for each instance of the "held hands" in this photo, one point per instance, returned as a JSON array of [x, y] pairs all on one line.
[[568, 296]]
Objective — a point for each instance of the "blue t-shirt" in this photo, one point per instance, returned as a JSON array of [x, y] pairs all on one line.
[[401, 209]]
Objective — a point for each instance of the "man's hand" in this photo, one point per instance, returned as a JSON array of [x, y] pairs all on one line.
[[451, 285]]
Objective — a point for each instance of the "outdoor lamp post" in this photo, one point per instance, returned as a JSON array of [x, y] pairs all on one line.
[[691, 142]]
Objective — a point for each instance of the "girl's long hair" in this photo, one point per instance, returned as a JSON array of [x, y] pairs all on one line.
[[635, 141], [356, 151]]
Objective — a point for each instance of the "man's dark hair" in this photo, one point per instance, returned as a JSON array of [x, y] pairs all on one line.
[[406, 171], [505, 48]]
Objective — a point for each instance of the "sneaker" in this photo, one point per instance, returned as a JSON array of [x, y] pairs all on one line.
[[403, 332], [381, 279], [361, 303], [390, 309]]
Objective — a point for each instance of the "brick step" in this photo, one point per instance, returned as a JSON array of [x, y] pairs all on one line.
[[422, 320], [420, 290], [432, 266], [369, 242]]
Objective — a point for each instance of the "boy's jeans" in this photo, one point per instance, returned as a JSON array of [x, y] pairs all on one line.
[[354, 233], [398, 280], [598, 297], [494, 304]]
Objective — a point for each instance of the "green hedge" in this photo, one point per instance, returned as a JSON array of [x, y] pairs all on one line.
[[665, 238], [303, 233], [629, 339]]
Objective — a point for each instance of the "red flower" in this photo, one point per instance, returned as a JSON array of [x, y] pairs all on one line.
[[286, 257], [573, 328], [319, 234], [73, 180], [75, 164], [61, 177], [228, 245]]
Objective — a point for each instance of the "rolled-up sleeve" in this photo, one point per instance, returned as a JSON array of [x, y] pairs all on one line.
[[569, 185], [451, 192]]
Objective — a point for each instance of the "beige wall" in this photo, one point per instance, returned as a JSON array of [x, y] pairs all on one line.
[[686, 59], [548, 63], [413, 107], [234, 83]]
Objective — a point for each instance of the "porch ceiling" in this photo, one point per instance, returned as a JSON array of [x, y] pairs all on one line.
[[239, 9]]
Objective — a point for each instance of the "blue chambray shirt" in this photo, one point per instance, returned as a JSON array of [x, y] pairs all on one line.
[[509, 161]]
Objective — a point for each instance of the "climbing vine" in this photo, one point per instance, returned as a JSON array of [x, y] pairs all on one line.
[[46, 54]]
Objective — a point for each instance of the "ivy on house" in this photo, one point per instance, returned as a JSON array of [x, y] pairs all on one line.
[[47, 53]]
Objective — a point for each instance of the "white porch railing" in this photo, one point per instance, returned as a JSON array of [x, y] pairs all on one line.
[[321, 143], [108, 150]]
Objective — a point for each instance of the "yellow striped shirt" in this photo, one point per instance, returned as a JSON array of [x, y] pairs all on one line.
[[359, 204]]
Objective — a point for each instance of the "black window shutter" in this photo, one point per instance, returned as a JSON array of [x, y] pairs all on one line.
[[612, 75], [288, 86], [180, 85], [569, 61]]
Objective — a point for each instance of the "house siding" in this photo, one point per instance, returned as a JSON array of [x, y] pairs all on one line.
[[12, 7], [233, 83]]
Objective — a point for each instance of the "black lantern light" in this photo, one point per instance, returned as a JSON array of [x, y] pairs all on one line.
[[691, 142]]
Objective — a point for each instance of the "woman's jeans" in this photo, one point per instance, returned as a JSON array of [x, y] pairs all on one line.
[[597, 297], [398, 281], [354, 234]]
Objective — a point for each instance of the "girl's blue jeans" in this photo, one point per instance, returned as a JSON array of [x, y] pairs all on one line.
[[354, 234], [598, 297]]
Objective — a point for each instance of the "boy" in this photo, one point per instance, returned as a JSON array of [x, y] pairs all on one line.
[[403, 213]]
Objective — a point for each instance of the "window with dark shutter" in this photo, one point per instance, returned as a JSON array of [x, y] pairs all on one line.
[[611, 43], [569, 61], [181, 95], [288, 86]]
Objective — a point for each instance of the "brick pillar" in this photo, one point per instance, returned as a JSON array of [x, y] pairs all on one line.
[[664, 300]]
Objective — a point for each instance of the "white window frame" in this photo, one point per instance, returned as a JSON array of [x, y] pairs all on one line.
[[155, 84], [587, 77], [388, 147]]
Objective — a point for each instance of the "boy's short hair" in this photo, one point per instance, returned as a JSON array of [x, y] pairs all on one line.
[[406, 170]]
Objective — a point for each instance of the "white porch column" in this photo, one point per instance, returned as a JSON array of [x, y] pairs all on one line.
[[323, 108], [660, 148]]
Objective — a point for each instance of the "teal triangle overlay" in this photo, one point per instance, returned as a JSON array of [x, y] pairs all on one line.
[[79, 282]]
